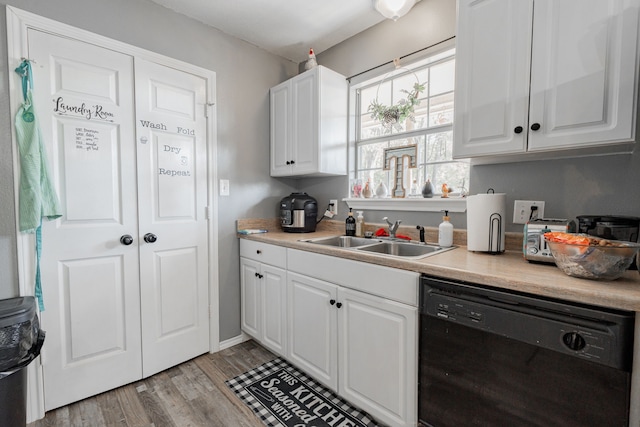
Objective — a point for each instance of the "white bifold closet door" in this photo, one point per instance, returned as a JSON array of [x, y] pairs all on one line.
[[126, 139]]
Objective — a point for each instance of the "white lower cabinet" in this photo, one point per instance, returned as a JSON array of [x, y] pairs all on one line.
[[352, 326], [312, 327], [263, 289], [363, 346], [377, 356]]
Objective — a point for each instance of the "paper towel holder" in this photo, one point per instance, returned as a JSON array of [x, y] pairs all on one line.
[[495, 220]]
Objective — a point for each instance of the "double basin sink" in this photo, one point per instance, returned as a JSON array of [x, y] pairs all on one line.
[[394, 248]]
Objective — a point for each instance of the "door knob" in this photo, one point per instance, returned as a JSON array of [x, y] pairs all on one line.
[[126, 239], [338, 304], [150, 237], [332, 301], [535, 126], [518, 129]]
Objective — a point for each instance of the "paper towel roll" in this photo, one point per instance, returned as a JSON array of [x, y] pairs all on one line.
[[486, 222]]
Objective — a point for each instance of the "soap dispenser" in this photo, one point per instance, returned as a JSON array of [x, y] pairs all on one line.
[[350, 224], [360, 225], [445, 232]]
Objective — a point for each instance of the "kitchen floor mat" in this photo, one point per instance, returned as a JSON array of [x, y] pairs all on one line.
[[283, 396]]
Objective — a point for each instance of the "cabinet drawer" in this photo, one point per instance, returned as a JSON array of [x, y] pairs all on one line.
[[265, 253], [392, 283]]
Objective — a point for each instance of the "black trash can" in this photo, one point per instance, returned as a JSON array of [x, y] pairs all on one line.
[[20, 342]]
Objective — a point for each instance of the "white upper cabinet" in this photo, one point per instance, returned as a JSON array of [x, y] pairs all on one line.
[[544, 75], [309, 125]]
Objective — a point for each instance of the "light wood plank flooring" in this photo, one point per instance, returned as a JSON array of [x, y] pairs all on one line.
[[189, 395]]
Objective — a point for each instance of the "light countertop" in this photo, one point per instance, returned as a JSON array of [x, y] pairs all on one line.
[[508, 270]]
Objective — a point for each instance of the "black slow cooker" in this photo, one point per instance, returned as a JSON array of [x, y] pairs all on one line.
[[298, 212]]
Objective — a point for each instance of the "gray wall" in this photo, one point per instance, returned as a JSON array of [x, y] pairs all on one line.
[[570, 187], [244, 76]]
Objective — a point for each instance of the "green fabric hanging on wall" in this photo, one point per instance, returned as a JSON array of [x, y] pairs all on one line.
[[37, 196]]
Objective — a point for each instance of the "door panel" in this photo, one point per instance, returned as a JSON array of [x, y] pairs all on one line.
[[304, 143], [93, 280], [176, 302], [578, 94], [280, 108], [250, 297], [90, 280], [273, 309], [89, 174], [378, 335], [174, 184], [312, 326], [73, 77], [172, 203], [492, 76]]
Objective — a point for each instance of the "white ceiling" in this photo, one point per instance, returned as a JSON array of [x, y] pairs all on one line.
[[287, 28]]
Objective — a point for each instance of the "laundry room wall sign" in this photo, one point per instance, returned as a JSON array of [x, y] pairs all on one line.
[[94, 112]]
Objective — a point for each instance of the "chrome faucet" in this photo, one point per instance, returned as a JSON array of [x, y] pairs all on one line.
[[393, 227]]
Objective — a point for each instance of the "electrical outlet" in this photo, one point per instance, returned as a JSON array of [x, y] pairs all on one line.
[[523, 210], [333, 206]]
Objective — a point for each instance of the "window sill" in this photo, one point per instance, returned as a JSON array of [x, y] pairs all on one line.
[[436, 204]]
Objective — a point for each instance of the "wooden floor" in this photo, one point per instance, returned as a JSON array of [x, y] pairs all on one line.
[[189, 395]]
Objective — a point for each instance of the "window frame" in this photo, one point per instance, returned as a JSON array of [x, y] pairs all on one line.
[[431, 57]]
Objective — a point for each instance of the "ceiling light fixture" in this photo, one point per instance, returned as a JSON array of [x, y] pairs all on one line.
[[393, 9]]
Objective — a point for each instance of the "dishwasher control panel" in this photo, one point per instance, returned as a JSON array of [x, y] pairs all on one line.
[[553, 331], [456, 312]]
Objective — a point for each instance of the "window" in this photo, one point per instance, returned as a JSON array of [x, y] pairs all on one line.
[[430, 129]]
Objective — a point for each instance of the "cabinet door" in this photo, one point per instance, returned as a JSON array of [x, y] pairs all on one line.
[[492, 77], [280, 107], [304, 142], [583, 71], [378, 356], [250, 297], [312, 327], [273, 289]]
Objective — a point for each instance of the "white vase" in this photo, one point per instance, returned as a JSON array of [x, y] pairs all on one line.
[[382, 190]]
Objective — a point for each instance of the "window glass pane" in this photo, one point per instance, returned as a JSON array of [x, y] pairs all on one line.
[[370, 155], [366, 96], [382, 92], [374, 178], [454, 174], [403, 87], [421, 115], [441, 110], [442, 78], [423, 77], [370, 128], [439, 147]]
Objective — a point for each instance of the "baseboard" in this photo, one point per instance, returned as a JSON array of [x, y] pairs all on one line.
[[234, 341]]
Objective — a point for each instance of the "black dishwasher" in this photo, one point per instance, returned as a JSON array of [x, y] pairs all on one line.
[[490, 357]]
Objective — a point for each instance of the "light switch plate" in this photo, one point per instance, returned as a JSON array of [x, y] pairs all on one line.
[[224, 187]]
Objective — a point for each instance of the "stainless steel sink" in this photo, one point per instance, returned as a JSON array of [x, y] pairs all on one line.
[[403, 249], [343, 241], [378, 246]]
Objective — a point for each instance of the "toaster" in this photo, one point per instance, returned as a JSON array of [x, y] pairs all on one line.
[[534, 247]]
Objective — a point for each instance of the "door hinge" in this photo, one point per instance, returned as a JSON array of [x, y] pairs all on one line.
[[207, 105]]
